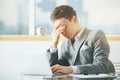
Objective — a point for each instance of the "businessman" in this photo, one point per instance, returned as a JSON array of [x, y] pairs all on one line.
[[83, 52]]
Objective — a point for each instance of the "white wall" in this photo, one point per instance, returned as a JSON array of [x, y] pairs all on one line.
[[8, 49], [114, 51]]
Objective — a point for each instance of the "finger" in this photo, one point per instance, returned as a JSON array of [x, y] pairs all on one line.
[[62, 25], [59, 27], [56, 27], [54, 70], [59, 71], [55, 67], [60, 30]]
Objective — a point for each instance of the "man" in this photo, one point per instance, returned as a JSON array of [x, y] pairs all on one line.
[[85, 51]]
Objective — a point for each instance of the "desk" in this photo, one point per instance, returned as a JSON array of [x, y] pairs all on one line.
[[69, 77]]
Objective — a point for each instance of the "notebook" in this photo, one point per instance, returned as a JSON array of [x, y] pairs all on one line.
[[33, 64]]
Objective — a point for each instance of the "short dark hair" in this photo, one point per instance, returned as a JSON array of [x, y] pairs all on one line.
[[65, 11]]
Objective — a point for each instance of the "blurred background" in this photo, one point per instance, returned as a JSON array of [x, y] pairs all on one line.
[[15, 15]]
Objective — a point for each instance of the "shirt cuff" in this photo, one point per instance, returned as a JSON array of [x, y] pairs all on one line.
[[75, 69], [53, 50]]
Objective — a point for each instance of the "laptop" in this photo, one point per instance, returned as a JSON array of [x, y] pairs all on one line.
[[33, 64]]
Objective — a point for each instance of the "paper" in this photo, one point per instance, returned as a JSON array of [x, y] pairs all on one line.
[[91, 76]]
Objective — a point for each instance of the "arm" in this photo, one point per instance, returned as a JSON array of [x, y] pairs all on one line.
[[53, 58], [63, 66], [53, 52], [60, 65]]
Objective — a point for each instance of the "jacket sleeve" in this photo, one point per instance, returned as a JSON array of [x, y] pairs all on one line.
[[54, 59], [100, 56]]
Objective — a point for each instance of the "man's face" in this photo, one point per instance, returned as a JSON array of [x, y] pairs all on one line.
[[62, 22]]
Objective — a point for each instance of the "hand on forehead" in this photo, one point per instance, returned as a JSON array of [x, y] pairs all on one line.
[[60, 22]]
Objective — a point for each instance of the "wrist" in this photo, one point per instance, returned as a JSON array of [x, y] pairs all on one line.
[[70, 69], [54, 44], [53, 50], [75, 69]]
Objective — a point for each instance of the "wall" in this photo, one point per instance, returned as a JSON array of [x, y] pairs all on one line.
[[114, 51], [8, 51]]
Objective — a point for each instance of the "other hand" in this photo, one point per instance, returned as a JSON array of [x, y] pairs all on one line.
[[61, 69]]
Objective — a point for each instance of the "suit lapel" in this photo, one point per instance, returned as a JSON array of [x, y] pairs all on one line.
[[79, 43]]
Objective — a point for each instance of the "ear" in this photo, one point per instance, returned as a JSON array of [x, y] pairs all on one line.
[[74, 18]]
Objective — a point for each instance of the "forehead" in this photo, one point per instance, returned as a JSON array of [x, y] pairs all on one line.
[[61, 21]]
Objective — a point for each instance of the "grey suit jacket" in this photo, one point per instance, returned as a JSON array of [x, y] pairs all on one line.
[[90, 56]]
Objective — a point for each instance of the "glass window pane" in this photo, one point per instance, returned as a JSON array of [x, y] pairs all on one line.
[[103, 14], [93, 14], [14, 17], [43, 9]]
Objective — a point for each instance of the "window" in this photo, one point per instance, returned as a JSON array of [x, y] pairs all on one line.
[[43, 11], [100, 14], [28, 17], [14, 18]]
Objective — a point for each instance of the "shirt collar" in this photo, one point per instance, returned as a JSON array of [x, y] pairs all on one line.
[[79, 34]]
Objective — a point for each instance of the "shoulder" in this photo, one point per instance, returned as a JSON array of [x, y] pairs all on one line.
[[95, 35]]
